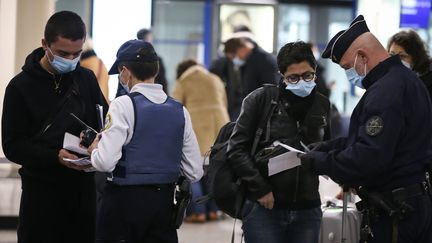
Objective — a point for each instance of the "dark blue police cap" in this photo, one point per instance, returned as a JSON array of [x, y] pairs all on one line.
[[338, 45], [130, 52]]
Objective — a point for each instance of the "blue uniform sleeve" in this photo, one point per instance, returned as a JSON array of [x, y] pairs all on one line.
[[371, 146]]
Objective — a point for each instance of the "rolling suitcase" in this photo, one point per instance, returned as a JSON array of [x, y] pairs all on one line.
[[331, 225]]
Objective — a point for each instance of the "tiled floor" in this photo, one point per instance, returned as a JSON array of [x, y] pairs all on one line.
[[211, 232]]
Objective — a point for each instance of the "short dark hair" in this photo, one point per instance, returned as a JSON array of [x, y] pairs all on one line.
[[142, 70], [295, 52], [64, 24], [143, 33], [414, 46], [232, 45], [185, 65]]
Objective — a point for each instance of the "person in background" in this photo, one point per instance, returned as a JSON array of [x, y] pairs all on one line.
[[203, 94], [253, 67], [147, 35], [284, 207], [147, 143], [389, 142], [58, 198], [413, 53], [90, 60]]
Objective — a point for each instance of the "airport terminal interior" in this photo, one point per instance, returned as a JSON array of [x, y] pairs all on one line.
[[197, 29]]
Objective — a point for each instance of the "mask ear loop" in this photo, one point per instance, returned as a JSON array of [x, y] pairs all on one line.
[[365, 70], [127, 83]]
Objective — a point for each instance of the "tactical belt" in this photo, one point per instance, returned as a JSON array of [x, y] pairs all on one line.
[[149, 186], [403, 193], [391, 203]]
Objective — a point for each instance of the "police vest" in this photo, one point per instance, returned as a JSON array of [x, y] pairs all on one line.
[[153, 155]]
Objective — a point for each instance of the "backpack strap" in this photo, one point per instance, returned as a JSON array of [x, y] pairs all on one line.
[[54, 113], [272, 92]]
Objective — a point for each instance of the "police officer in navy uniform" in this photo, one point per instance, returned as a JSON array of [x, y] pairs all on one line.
[[147, 143], [389, 141]]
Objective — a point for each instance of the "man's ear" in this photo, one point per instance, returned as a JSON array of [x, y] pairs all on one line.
[[44, 43], [363, 56]]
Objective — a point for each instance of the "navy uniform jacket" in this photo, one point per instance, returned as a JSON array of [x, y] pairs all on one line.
[[390, 136]]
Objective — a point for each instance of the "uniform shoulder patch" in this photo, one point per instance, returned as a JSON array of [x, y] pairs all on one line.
[[108, 121], [374, 126]]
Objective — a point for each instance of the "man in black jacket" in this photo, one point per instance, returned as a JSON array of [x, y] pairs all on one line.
[[58, 197], [283, 207], [252, 67]]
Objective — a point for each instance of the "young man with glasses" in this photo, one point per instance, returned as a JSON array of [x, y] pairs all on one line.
[[284, 207]]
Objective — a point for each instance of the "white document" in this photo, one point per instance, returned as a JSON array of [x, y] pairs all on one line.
[[71, 143], [283, 162], [81, 161]]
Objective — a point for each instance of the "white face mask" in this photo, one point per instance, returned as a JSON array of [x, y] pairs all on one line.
[[63, 65], [406, 64], [353, 77]]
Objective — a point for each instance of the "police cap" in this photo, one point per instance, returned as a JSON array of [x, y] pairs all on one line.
[[338, 45], [131, 51]]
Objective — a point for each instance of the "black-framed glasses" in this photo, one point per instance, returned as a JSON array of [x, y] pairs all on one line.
[[295, 78]]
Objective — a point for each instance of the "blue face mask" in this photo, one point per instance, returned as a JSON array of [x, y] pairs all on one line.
[[63, 65], [238, 62], [302, 88], [353, 77]]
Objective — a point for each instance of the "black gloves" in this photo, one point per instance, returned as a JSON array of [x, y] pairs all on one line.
[[318, 146], [307, 161]]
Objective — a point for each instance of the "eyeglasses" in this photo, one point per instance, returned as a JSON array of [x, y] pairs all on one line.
[[295, 78]]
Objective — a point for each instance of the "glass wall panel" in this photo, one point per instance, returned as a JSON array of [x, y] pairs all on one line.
[[293, 25], [178, 33], [115, 22]]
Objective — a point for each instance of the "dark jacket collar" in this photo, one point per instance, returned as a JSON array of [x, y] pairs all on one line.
[[380, 70]]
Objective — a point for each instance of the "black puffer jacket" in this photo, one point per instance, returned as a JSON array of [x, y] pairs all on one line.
[[294, 119]]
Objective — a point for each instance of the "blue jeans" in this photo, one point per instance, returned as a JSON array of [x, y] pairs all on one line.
[[280, 225]]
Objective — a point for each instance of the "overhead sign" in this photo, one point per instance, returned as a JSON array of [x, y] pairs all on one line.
[[415, 14]]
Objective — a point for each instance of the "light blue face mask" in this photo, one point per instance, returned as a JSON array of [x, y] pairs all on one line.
[[63, 65], [302, 88], [353, 77], [125, 86], [238, 62]]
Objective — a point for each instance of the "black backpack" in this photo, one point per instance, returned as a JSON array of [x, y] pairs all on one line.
[[224, 186]]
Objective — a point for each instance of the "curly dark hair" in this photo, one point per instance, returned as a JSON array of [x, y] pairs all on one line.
[[295, 52], [414, 46]]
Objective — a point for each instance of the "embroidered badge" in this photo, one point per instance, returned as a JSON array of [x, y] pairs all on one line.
[[374, 126], [108, 121]]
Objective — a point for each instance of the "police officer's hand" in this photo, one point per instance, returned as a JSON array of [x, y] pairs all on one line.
[[64, 154], [267, 201], [94, 144], [318, 146], [306, 161]]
